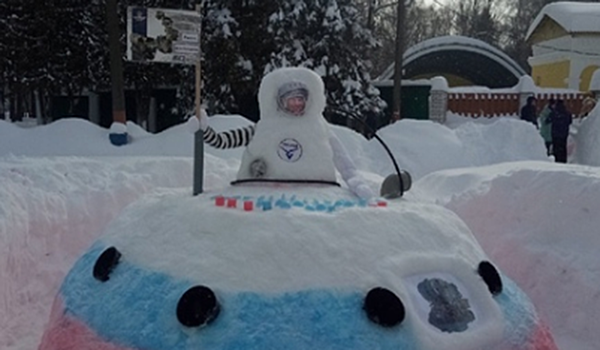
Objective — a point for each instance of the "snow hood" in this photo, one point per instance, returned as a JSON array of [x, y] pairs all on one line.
[[268, 94]]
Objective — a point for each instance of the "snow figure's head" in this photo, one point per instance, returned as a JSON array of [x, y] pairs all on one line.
[[292, 97], [291, 141], [291, 93]]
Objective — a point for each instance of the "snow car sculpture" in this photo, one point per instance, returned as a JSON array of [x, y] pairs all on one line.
[[289, 268], [295, 266]]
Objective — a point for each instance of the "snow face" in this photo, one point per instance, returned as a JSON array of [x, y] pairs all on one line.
[[287, 146]]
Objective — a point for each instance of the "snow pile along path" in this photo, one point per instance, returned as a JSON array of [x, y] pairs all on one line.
[[51, 210], [587, 140], [423, 147], [539, 223]]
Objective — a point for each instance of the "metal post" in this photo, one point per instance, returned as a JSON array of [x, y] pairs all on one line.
[[199, 135], [38, 107]]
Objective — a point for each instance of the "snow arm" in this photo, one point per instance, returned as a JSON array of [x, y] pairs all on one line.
[[347, 169], [223, 140], [230, 138]]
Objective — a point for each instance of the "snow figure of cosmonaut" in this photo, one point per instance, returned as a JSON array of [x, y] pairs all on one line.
[[262, 265], [292, 141]]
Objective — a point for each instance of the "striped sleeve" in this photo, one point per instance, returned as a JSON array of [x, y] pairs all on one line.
[[230, 138]]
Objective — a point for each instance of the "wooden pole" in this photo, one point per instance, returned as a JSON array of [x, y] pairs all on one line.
[[199, 135]]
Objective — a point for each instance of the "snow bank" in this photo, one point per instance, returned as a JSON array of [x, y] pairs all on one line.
[[539, 222], [587, 140], [58, 205], [423, 147], [50, 211], [78, 137]]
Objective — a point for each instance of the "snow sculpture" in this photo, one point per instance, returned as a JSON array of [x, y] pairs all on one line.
[[271, 267], [292, 141], [290, 146], [288, 266]]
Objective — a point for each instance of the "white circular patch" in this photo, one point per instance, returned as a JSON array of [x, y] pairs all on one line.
[[289, 150]]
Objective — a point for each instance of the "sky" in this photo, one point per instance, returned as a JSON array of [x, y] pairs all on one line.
[[65, 190], [434, 2]]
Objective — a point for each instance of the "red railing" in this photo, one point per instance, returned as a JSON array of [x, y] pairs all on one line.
[[497, 104]]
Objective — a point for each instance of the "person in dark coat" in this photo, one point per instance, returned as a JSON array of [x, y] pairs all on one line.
[[529, 111], [561, 120]]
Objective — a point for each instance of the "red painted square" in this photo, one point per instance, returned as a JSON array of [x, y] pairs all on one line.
[[231, 203]]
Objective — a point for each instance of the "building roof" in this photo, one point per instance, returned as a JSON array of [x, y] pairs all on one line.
[[473, 59], [574, 17]]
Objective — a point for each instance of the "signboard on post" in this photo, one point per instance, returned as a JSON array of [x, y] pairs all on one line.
[[163, 35], [170, 36]]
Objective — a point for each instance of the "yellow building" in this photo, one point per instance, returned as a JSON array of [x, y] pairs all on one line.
[[565, 40]]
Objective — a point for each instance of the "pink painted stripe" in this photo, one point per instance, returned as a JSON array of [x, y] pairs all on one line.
[[542, 338], [67, 333]]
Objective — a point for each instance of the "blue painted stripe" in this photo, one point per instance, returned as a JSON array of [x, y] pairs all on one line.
[[136, 308], [519, 313]]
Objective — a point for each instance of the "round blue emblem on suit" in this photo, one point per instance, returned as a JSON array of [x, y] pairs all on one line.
[[289, 150]]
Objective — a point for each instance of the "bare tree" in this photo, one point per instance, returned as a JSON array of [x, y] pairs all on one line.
[[520, 16], [477, 19], [421, 22]]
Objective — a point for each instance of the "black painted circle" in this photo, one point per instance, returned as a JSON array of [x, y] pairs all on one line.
[[406, 180], [383, 307], [198, 306], [490, 276], [106, 263]]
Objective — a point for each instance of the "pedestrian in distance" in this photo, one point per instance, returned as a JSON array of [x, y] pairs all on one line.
[[529, 111], [545, 125], [560, 119]]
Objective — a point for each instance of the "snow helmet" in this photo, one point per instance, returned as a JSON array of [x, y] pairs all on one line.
[[290, 89]]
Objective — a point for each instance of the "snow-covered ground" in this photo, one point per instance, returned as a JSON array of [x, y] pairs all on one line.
[[61, 184]]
